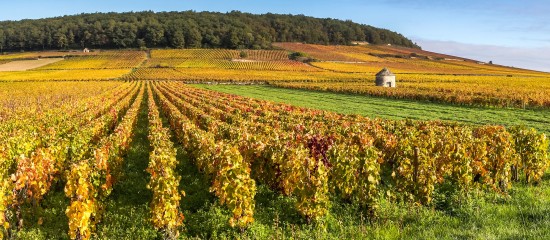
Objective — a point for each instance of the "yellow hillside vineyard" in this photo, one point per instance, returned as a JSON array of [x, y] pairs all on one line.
[[64, 75], [421, 75], [467, 90], [235, 75], [285, 65], [36, 55], [61, 127], [259, 55], [102, 60]]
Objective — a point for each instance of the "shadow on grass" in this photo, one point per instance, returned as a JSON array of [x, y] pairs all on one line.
[[127, 211], [52, 212], [204, 218]]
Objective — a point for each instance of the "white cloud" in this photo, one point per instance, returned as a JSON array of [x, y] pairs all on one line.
[[529, 58]]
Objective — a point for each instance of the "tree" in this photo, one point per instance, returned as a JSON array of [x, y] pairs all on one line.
[[21, 40], [211, 39], [2, 41], [60, 39], [124, 35], [199, 29], [154, 34], [177, 39], [141, 44], [70, 38], [85, 39], [248, 39], [100, 39], [375, 38], [34, 37], [232, 39], [243, 54], [193, 36]]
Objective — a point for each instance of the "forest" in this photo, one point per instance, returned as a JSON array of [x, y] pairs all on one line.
[[189, 29]]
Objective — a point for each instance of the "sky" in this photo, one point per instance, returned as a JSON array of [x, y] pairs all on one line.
[[507, 32]]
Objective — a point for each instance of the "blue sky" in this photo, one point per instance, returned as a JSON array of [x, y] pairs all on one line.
[[508, 32]]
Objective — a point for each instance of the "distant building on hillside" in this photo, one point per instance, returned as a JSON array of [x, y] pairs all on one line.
[[86, 50], [385, 78]]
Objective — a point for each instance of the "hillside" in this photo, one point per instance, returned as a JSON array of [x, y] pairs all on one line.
[[185, 30], [421, 75], [115, 144]]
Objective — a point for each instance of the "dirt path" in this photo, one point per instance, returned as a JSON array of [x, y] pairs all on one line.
[[24, 65]]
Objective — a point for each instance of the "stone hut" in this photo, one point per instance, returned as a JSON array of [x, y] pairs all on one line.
[[86, 50], [385, 78]]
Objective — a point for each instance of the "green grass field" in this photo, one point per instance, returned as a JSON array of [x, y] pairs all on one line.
[[392, 108]]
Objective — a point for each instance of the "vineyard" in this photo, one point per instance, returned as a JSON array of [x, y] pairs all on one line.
[[349, 69], [421, 75], [149, 156], [74, 66], [259, 60], [35, 55], [224, 75], [73, 141], [259, 55], [404, 60], [102, 60], [63, 75], [482, 91]]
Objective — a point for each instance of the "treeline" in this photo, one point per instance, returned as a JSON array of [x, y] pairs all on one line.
[[185, 30]]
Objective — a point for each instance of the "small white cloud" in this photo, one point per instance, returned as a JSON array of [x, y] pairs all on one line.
[[528, 58]]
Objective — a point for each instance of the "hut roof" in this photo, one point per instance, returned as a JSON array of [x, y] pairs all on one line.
[[385, 72]]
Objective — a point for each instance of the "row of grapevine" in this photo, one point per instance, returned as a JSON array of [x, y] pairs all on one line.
[[262, 55], [287, 65], [221, 161], [94, 170], [164, 182], [487, 92], [324, 53], [50, 125], [239, 75], [61, 75], [103, 60], [36, 55], [400, 67], [294, 178]]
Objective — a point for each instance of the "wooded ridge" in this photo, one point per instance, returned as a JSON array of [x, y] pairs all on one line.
[[189, 29]]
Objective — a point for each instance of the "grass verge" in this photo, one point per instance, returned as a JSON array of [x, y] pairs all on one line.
[[393, 108]]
